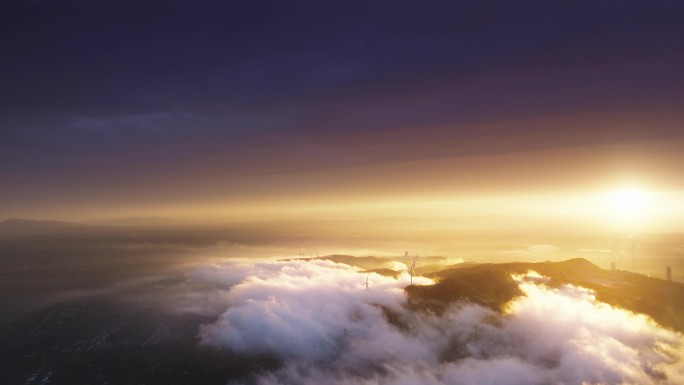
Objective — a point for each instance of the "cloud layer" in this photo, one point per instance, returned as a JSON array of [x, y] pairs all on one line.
[[320, 322]]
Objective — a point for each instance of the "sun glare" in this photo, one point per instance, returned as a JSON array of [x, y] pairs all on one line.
[[629, 204], [629, 200]]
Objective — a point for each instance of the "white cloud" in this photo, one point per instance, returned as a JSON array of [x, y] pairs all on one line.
[[320, 321]]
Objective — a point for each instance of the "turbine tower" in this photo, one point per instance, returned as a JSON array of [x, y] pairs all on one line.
[[413, 268]]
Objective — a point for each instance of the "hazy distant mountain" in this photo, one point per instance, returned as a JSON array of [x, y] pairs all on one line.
[[141, 221], [16, 226]]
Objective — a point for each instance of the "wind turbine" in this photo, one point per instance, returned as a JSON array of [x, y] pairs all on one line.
[[367, 277], [413, 268]]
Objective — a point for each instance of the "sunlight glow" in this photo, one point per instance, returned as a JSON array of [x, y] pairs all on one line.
[[629, 201], [630, 209]]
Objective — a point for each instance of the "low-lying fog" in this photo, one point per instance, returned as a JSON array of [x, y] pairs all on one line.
[[319, 320]]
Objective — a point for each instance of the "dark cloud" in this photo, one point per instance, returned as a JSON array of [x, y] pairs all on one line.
[[130, 58], [253, 87]]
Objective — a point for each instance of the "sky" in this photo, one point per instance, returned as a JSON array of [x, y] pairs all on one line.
[[235, 110]]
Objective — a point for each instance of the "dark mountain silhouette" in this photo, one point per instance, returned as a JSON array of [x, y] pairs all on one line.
[[141, 221], [17, 226]]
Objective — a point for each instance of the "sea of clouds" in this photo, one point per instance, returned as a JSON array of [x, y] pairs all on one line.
[[325, 326]]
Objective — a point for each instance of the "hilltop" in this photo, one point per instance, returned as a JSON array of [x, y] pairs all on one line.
[[491, 285]]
